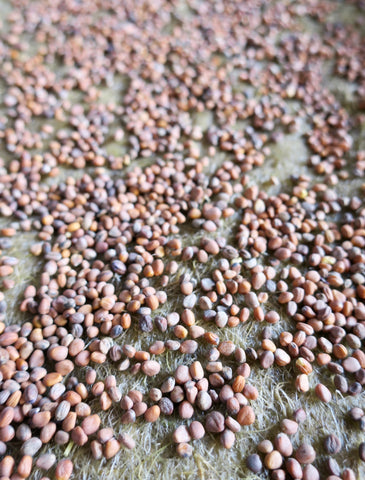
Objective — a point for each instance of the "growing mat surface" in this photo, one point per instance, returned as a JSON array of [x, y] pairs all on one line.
[[182, 239]]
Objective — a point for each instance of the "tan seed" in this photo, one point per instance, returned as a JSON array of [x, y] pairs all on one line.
[[273, 460]]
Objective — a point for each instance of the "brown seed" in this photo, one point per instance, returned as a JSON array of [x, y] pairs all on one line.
[[41, 419], [181, 434], [214, 422], [332, 444], [79, 436], [351, 365], [127, 441], [182, 374], [250, 392], [105, 434], [265, 446], [64, 469], [6, 270], [210, 246], [58, 353], [46, 461], [151, 368], [323, 393], [69, 422], [246, 416], [303, 365], [152, 414], [186, 410], [239, 383], [348, 474], [281, 357], [96, 449], [266, 359], [290, 427], [91, 424], [6, 416], [184, 450], [25, 466], [140, 408], [7, 466], [196, 370], [294, 468], [188, 347], [254, 463], [302, 383], [204, 400], [61, 437], [305, 453], [111, 448], [188, 317], [31, 446], [196, 430], [47, 432], [51, 379], [310, 473], [227, 438], [273, 460], [283, 444]]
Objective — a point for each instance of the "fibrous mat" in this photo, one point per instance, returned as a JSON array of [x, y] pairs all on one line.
[[182, 239]]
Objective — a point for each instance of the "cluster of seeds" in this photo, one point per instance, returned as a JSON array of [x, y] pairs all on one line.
[[157, 240]]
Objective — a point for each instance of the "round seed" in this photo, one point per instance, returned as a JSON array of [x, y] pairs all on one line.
[[151, 368], [273, 460], [181, 434], [214, 422], [305, 454], [254, 463], [196, 430], [64, 469], [332, 444]]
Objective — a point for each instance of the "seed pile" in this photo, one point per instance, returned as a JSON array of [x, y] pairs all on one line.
[[159, 232]]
